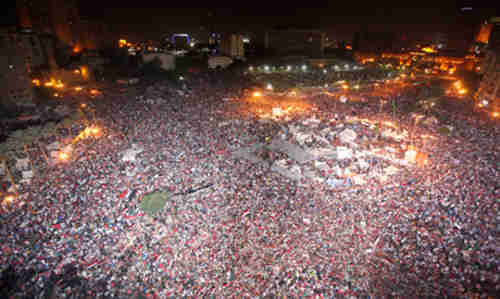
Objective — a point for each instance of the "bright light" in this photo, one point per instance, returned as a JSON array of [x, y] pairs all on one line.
[[59, 84], [49, 83], [451, 71], [304, 67], [325, 71], [495, 114], [289, 68], [94, 91], [63, 156], [36, 82], [356, 86], [485, 103], [250, 68], [181, 78], [257, 94], [122, 43], [428, 50], [95, 131], [462, 91], [246, 40], [191, 44], [78, 88], [84, 71], [411, 155], [269, 86], [266, 68], [83, 105], [346, 66], [76, 71], [9, 198], [345, 86], [56, 94]]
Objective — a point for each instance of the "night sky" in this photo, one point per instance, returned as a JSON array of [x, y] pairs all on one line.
[[341, 18]]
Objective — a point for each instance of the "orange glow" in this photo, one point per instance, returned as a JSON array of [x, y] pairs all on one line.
[[63, 156], [483, 35], [345, 86], [95, 131], [59, 84], [54, 83], [76, 49], [122, 43], [56, 94], [36, 82], [413, 156], [83, 105], [480, 105], [9, 198], [428, 50], [76, 71], [94, 91], [88, 132], [348, 47], [257, 94], [78, 88], [495, 114], [85, 72], [462, 91]]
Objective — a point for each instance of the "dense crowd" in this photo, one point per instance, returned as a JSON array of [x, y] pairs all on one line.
[[355, 223]]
